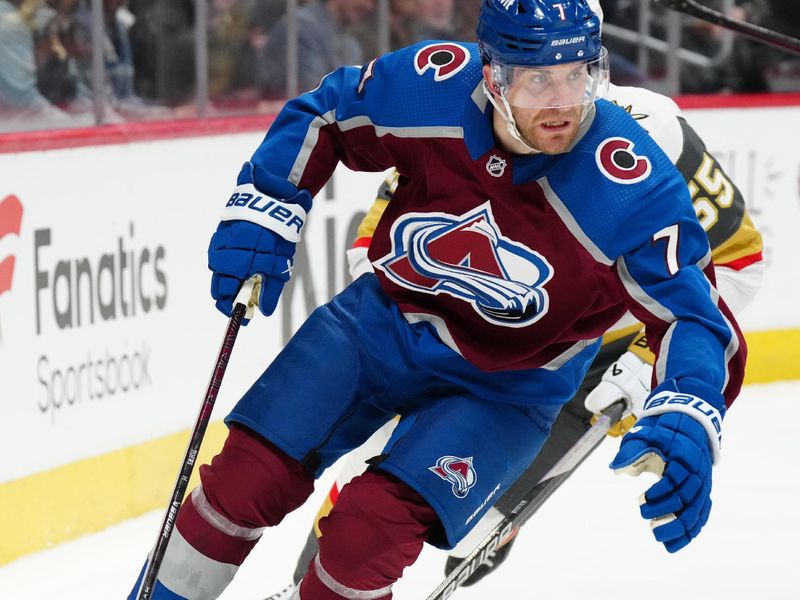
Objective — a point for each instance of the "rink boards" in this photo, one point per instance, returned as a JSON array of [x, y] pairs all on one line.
[[108, 334]]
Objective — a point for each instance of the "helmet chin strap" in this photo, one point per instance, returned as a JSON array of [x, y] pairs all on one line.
[[505, 112]]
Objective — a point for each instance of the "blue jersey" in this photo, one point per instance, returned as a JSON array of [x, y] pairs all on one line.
[[518, 262]]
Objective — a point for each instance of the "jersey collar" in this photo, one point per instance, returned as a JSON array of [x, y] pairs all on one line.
[[478, 135]]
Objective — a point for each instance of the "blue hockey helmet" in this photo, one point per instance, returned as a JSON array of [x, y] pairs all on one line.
[[536, 33]]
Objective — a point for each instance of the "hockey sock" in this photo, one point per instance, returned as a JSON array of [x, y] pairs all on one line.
[[376, 530], [250, 485]]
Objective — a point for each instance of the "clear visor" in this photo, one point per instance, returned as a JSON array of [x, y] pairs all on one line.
[[558, 86]]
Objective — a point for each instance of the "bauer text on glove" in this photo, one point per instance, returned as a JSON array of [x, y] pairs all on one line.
[[257, 235]]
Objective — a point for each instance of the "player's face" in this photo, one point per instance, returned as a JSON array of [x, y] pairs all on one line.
[[547, 104]]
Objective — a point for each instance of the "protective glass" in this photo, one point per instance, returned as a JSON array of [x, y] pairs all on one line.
[[558, 86]]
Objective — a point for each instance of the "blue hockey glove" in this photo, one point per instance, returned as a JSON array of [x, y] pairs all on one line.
[[257, 235], [677, 438]]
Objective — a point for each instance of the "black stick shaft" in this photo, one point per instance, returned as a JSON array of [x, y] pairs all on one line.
[[182, 483], [762, 34]]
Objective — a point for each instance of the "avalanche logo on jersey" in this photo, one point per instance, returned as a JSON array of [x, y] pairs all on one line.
[[445, 59], [457, 471], [617, 161], [467, 257]]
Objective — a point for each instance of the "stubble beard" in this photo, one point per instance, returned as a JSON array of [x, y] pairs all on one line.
[[529, 126]]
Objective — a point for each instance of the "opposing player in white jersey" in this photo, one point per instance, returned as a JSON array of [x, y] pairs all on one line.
[[623, 367], [529, 217]]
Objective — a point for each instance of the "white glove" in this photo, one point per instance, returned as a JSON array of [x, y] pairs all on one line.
[[358, 262], [627, 379]]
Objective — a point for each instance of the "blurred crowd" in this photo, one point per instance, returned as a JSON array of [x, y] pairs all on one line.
[[744, 66], [148, 50]]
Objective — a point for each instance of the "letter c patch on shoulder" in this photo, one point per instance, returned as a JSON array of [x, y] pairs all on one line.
[[444, 58], [617, 161]]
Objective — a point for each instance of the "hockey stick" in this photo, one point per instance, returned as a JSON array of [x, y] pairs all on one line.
[[531, 502], [243, 307], [762, 34]]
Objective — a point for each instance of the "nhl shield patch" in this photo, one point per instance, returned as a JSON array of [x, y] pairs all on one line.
[[496, 166]]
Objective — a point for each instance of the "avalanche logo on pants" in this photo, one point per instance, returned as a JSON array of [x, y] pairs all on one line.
[[467, 257], [458, 471]]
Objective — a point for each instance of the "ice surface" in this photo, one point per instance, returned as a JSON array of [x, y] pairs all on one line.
[[587, 541]]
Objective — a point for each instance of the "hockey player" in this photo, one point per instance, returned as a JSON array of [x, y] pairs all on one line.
[[529, 217], [622, 368]]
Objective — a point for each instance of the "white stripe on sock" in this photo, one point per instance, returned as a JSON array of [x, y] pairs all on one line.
[[345, 591], [191, 574], [220, 522]]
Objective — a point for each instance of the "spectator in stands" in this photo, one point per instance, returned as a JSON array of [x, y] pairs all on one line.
[[22, 105], [743, 70], [402, 14], [164, 50], [434, 20], [121, 101], [465, 17], [56, 70], [117, 52], [784, 16], [234, 41], [162, 40], [784, 74], [324, 44], [264, 14], [412, 21]]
